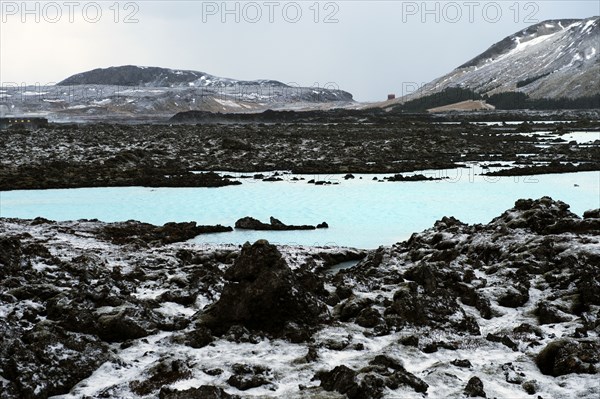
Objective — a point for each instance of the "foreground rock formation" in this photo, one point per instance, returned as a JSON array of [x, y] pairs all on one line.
[[506, 309]]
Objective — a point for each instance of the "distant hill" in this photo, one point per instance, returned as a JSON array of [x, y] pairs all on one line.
[[131, 75], [137, 92], [550, 60]]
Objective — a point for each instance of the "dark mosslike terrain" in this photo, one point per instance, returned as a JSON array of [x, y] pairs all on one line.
[[93, 155], [506, 309]]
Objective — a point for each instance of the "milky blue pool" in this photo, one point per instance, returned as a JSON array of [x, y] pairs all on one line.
[[361, 212]]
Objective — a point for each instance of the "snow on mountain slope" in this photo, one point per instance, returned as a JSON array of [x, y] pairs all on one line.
[[555, 58], [141, 92], [131, 75]]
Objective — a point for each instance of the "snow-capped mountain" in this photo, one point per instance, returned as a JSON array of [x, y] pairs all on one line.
[[131, 75], [555, 58], [151, 92]]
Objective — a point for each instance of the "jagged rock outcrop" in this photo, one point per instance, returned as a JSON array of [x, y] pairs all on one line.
[[262, 293], [47, 360], [250, 223], [562, 357], [370, 382], [133, 231]]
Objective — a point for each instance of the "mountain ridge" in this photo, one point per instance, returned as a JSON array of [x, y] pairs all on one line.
[[551, 59], [131, 91], [150, 76]]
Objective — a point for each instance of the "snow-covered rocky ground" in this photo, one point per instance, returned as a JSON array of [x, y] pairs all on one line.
[[510, 309]]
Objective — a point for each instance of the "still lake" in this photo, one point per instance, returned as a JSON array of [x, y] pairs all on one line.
[[361, 212]]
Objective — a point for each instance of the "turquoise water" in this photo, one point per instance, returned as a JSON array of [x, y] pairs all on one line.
[[361, 212]]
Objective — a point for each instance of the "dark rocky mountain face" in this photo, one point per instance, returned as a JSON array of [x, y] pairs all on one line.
[[552, 59], [510, 42], [130, 75]]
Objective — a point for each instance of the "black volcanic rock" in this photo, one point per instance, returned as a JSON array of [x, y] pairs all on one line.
[[592, 214], [249, 223], [463, 363], [546, 169], [474, 388], [341, 379], [370, 382], [549, 314], [262, 293], [400, 375], [132, 231], [514, 297], [164, 372], [235, 144], [247, 377], [536, 215], [10, 255], [438, 308], [49, 361], [202, 392], [569, 356], [279, 116], [199, 337], [110, 173], [352, 307], [122, 326], [417, 177]]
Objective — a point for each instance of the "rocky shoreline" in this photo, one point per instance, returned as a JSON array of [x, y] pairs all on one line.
[[506, 309], [155, 155], [552, 167]]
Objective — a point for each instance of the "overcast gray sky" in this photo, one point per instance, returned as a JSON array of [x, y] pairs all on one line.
[[369, 48]]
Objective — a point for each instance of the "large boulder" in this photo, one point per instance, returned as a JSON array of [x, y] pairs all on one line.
[[341, 379], [400, 376], [247, 377], [262, 293], [538, 215], [371, 381], [250, 223], [569, 356], [346, 381], [592, 214], [474, 388]]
